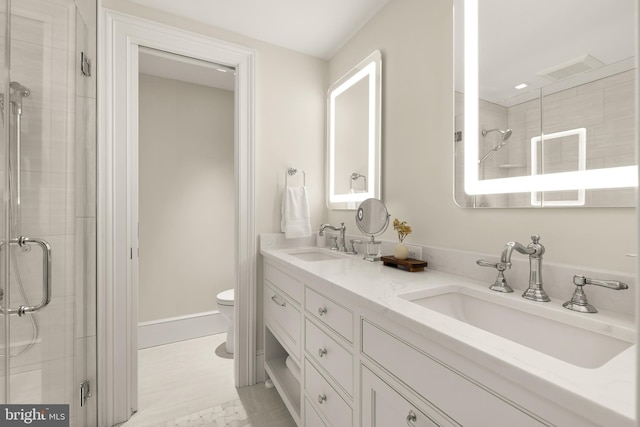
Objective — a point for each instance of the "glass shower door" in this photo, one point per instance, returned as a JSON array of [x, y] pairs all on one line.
[[47, 252]]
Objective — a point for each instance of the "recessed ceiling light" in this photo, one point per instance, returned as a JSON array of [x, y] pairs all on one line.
[[521, 86]]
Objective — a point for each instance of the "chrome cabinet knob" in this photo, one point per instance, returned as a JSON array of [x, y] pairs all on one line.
[[322, 311], [322, 352]]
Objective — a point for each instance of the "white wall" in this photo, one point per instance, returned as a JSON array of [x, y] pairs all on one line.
[[416, 39], [289, 118], [187, 193]]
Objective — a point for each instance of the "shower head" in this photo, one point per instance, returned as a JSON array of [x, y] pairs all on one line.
[[506, 134], [20, 89]]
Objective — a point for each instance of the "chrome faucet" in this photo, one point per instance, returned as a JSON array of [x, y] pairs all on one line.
[[535, 251], [341, 244]]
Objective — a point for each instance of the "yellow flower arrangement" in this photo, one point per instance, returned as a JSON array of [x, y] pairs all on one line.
[[402, 228]]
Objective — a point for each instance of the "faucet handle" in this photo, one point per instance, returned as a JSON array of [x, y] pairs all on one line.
[[616, 285], [579, 300], [500, 266], [500, 285], [353, 248]]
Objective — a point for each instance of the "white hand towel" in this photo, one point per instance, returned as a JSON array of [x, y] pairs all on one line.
[[295, 213]]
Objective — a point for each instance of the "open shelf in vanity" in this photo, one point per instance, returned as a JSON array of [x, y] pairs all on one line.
[[285, 382]]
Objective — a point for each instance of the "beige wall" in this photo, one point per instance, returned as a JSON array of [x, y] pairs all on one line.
[[415, 37], [187, 195], [289, 115]]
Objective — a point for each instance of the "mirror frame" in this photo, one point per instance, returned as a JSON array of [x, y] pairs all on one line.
[[615, 177], [370, 67]]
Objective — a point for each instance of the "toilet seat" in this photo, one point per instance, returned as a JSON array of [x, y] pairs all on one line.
[[226, 297]]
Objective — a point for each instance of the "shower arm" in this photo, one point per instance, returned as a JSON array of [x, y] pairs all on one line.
[[18, 169]]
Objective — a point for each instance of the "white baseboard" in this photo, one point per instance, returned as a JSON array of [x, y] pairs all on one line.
[[173, 329]]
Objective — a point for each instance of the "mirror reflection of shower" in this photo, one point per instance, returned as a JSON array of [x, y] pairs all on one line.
[[16, 95], [354, 177], [504, 137]]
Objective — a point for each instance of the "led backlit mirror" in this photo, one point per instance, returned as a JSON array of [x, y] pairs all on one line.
[[353, 135], [545, 103]]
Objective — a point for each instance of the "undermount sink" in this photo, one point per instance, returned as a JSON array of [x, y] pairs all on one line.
[[560, 335], [315, 254]]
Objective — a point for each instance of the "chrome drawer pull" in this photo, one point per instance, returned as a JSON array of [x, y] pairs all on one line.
[[322, 398], [411, 418], [322, 352], [322, 311], [281, 304]]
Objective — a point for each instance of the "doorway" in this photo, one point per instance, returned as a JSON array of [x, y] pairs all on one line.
[[118, 230], [186, 194]]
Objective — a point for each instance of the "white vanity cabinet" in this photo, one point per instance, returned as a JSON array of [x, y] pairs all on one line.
[[317, 333], [364, 363], [329, 359], [453, 392], [282, 294]]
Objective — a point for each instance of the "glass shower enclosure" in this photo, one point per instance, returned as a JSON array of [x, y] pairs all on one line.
[[48, 215]]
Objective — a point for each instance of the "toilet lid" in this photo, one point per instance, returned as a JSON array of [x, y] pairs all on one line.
[[226, 297]]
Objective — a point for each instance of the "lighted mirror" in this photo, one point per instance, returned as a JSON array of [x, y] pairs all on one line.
[[545, 103], [353, 135]]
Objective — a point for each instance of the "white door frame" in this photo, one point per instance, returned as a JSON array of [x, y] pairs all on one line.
[[119, 39]]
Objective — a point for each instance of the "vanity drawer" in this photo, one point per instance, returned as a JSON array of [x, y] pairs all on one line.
[[382, 406], [311, 417], [330, 313], [438, 384], [287, 283], [284, 320], [326, 399], [330, 355]]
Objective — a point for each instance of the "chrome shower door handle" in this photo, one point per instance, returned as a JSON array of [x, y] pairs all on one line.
[[46, 275]]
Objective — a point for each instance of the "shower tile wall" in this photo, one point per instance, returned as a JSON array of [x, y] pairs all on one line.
[[604, 107], [58, 200]]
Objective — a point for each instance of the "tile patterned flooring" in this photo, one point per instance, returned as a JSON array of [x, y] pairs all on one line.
[[190, 384]]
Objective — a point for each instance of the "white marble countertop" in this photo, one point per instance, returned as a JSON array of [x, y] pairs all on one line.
[[606, 395]]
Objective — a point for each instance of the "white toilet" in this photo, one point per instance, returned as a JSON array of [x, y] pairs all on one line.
[[225, 306]]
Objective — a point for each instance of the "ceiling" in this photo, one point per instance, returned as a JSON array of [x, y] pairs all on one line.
[[314, 27], [191, 70], [525, 37]]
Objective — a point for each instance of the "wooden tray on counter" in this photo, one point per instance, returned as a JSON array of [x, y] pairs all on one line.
[[408, 264]]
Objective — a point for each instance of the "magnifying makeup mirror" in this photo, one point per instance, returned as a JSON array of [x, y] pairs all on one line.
[[372, 220]]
